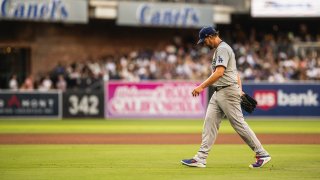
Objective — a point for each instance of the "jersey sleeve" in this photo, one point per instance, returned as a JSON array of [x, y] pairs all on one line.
[[222, 57]]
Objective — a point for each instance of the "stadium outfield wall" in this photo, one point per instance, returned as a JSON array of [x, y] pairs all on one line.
[[156, 99]]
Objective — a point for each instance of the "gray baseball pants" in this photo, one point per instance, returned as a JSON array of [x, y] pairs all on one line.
[[227, 102]]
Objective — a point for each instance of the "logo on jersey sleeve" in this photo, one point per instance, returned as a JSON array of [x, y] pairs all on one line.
[[213, 64], [220, 59]]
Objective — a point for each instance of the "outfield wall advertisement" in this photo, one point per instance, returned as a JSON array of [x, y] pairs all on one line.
[[30, 104], [153, 99], [156, 99], [285, 99]]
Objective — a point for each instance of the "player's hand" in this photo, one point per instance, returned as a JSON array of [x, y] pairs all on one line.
[[242, 93], [197, 91]]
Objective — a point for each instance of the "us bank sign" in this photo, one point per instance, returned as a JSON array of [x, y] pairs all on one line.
[[70, 11], [164, 14]]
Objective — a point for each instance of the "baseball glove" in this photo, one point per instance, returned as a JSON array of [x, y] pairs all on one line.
[[248, 103]]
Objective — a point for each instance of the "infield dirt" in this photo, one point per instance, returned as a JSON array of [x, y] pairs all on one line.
[[151, 139]]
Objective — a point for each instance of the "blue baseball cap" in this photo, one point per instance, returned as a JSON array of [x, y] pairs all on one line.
[[205, 32]]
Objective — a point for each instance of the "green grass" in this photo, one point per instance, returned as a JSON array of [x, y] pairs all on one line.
[[152, 126], [154, 162]]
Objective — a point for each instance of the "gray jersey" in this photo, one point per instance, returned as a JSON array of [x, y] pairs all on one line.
[[224, 56], [226, 103]]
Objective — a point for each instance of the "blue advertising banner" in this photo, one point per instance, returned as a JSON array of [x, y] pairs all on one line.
[[16, 104], [285, 99]]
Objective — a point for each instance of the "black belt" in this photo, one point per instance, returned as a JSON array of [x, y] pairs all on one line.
[[218, 88]]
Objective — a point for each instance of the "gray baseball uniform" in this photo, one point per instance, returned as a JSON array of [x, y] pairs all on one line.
[[226, 101]]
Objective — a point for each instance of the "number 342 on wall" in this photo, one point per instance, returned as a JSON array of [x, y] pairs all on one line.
[[87, 104]]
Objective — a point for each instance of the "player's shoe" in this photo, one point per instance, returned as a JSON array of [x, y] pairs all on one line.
[[193, 163], [261, 161]]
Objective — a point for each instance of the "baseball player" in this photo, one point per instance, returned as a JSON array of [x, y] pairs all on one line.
[[224, 101]]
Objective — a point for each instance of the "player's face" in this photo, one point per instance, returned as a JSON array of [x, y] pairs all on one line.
[[208, 41]]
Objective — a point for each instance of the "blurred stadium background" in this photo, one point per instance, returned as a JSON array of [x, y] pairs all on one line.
[[113, 65], [80, 46]]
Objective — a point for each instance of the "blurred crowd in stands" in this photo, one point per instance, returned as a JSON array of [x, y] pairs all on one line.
[[274, 57]]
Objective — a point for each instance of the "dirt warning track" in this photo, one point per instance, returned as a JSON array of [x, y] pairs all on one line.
[[151, 139]]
